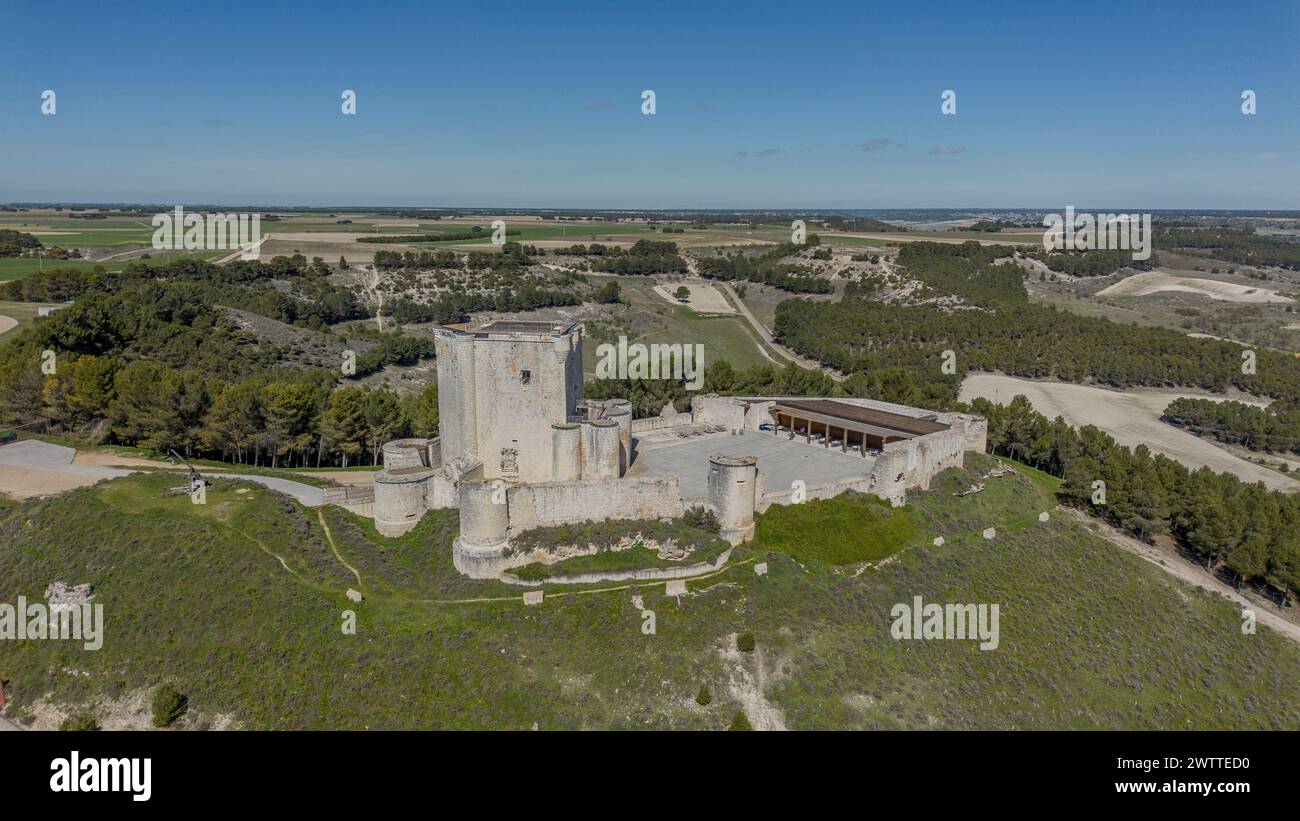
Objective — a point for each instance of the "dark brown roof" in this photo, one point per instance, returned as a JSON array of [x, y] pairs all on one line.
[[865, 416]]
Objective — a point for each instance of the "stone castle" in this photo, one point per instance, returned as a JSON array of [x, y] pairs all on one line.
[[519, 447]]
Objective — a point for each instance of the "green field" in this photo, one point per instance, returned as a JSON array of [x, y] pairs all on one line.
[[80, 233], [240, 601], [19, 267], [650, 318]]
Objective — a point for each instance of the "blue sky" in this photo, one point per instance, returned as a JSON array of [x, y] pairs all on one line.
[[1133, 104]]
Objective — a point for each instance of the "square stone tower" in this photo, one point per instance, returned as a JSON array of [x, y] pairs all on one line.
[[501, 386]]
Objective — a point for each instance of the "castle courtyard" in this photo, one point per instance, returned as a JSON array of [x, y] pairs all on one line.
[[783, 460]]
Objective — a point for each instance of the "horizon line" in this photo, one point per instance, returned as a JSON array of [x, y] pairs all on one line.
[[629, 209]]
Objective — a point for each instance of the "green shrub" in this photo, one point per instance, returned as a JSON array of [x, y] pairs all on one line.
[[702, 518], [745, 642], [704, 698], [79, 722], [852, 527], [740, 722], [168, 705]]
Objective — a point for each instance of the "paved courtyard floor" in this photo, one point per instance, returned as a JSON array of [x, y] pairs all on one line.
[[781, 460]]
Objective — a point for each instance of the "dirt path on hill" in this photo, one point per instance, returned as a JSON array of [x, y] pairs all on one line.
[[329, 537], [765, 335]]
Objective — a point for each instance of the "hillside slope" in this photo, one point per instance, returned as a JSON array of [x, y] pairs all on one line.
[[240, 601]]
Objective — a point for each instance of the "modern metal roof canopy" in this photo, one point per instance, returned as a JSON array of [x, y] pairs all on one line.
[[908, 425]]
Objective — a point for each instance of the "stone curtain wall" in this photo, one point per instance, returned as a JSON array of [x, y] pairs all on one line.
[[660, 422], [913, 463], [561, 503], [829, 490], [724, 411]]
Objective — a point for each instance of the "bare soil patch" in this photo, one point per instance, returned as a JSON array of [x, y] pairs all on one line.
[[32, 483], [1132, 417], [1150, 282], [704, 298]]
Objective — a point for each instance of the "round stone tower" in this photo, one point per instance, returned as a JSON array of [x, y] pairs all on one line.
[[482, 549], [401, 496], [620, 411], [405, 453], [566, 452], [733, 484], [601, 450]]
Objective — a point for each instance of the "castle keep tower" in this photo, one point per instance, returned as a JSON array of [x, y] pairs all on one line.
[[502, 385]]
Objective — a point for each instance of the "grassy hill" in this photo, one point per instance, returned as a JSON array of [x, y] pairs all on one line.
[[240, 602]]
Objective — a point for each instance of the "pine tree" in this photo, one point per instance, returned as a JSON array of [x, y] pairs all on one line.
[[424, 419], [344, 422]]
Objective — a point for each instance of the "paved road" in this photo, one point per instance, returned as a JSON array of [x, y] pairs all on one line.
[[308, 495], [36, 455], [7, 323], [236, 254], [7, 725], [33, 453]]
